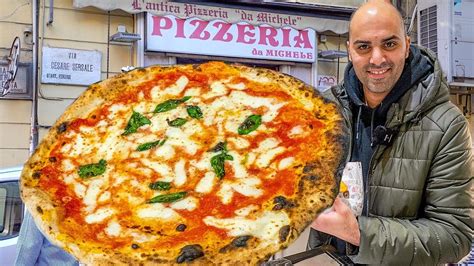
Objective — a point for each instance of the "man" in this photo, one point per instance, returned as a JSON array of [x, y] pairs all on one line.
[[414, 147]]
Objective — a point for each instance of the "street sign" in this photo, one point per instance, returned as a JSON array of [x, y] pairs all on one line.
[[70, 66]]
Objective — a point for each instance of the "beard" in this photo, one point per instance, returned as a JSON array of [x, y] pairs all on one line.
[[385, 82]]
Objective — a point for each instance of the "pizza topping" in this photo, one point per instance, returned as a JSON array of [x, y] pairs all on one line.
[[246, 210], [158, 210], [265, 227], [137, 120], [189, 253], [194, 111], [149, 145], [93, 169], [113, 229], [188, 203], [99, 215], [285, 163], [217, 163], [167, 198], [180, 173], [178, 87], [221, 146], [181, 227], [159, 185], [176, 122], [135, 246], [170, 104], [250, 124], [206, 183]]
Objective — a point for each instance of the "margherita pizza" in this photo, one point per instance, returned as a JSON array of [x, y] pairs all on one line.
[[209, 164]]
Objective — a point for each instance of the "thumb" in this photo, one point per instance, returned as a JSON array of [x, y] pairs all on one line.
[[338, 205]]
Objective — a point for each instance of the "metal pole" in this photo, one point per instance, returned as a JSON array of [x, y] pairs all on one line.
[[34, 105]]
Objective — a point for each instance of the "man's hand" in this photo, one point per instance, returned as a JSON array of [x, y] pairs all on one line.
[[339, 222]]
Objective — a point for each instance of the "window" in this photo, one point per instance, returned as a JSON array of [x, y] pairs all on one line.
[[11, 209]]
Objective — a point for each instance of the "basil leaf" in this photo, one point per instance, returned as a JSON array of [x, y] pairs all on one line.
[[137, 120], [217, 163], [170, 104], [160, 185], [93, 169], [221, 146], [148, 145], [194, 111], [250, 124], [166, 198], [163, 142], [177, 122]]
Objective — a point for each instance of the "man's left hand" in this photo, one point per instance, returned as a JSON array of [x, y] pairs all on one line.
[[339, 222]]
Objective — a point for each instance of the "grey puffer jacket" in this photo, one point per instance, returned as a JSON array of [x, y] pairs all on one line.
[[420, 194]]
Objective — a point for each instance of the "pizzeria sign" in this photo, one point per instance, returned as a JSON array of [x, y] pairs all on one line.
[[220, 38]]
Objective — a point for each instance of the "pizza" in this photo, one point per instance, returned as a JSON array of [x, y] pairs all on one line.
[[208, 164]]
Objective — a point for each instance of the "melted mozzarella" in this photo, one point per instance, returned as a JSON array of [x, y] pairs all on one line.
[[113, 229], [105, 196], [239, 143], [285, 163], [67, 165], [236, 86], [178, 87], [296, 131], [236, 163], [250, 159], [217, 89], [180, 173], [116, 109], [265, 158], [157, 210], [204, 163], [179, 138], [161, 168], [206, 183], [166, 152], [226, 192], [192, 92], [90, 199], [99, 215], [273, 112], [267, 144], [248, 187], [80, 189], [188, 203], [266, 227], [246, 210]]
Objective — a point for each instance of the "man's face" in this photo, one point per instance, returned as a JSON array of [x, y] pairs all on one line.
[[378, 48]]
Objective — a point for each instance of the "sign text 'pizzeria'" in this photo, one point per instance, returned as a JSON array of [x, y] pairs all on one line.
[[221, 38]]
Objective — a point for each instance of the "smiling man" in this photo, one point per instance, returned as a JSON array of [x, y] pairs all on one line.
[[413, 146]]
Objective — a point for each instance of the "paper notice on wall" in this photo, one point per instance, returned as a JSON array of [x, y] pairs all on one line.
[[325, 82]]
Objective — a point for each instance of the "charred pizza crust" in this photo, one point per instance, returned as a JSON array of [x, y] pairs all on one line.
[[316, 187]]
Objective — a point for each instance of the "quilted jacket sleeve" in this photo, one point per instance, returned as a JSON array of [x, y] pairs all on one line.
[[445, 230]]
